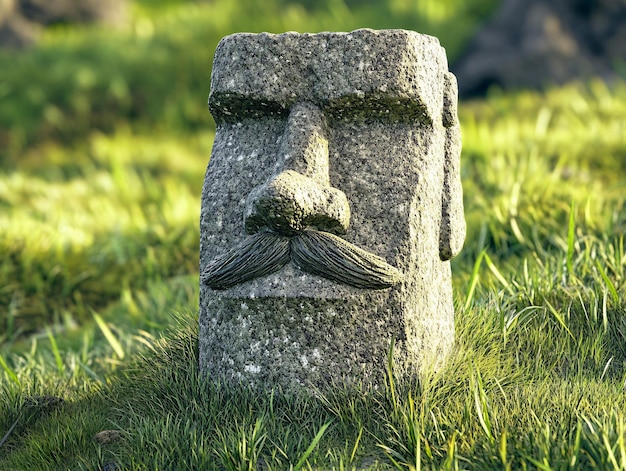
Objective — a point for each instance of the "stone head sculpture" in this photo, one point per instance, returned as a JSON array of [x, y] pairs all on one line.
[[331, 207]]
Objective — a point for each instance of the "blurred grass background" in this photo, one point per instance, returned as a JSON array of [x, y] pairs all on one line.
[[104, 141]]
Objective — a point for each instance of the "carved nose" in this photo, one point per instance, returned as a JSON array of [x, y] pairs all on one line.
[[300, 196], [304, 145]]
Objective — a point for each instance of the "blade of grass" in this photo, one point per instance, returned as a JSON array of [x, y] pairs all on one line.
[[543, 466], [576, 450], [10, 373], [10, 431], [502, 449], [473, 281], [492, 267], [608, 282], [570, 241], [393, 456], [609, 449], [559, 319], [108, 334], [55, 351], [620, 441], [606, 368], [356, 445], [481, 406], [91, 373], [311, 447], [451, 458]]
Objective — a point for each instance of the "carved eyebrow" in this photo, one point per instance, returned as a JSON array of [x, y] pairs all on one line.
[[234, 107], [377, 106]]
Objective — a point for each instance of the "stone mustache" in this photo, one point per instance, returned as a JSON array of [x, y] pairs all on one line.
[[331, 206], [295, 215]]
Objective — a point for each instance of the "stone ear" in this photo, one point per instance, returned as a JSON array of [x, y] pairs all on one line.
[[452, 231]]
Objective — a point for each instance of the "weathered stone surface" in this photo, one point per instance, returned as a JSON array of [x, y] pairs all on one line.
[[291, 202], [310, 123]]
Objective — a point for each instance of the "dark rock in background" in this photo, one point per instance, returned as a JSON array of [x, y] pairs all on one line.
[[15, 30], [21, 20], [534, 43], [70, 11]]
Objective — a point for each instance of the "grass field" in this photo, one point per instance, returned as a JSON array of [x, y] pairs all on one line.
[[104, 140]]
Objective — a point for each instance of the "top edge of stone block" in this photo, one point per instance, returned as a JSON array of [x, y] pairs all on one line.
[[361, 33], [373, 68]]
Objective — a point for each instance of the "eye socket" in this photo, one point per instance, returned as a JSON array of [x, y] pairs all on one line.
[[361, 107], [234, 107], [357, 107]]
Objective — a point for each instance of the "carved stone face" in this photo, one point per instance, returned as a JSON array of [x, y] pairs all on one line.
[[293, 216], [332, 195]]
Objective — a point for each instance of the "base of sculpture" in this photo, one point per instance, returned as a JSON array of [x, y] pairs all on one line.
[[272, 333]]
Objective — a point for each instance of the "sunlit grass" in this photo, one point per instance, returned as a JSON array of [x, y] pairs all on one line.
[[84, 228], [99, 243]]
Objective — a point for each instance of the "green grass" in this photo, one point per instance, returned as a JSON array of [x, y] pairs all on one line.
[[99, 272], [86, 229]]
